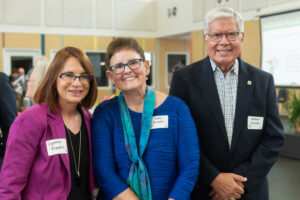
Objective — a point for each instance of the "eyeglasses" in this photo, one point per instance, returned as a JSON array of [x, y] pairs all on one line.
[[83, 78], [27, 78], [120, 67], [217, 37]]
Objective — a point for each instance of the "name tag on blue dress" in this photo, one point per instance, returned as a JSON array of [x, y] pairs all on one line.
[[161, 121]]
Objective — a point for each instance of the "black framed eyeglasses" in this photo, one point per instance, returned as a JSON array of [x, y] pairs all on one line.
[[83, 78], [217, 37], [120, 67]]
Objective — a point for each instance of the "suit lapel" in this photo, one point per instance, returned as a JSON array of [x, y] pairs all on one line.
[[210, 92], [58, 130], [244, 93]]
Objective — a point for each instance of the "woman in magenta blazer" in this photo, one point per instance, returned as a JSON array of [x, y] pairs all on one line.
[[48, 154]]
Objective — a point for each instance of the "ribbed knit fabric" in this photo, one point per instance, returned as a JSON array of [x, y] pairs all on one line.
[[172, 155]]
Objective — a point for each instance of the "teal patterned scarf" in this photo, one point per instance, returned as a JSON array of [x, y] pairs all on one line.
[[138, 179]]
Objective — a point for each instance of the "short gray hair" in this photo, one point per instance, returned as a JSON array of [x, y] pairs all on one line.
[[222, 12], [40, 68]]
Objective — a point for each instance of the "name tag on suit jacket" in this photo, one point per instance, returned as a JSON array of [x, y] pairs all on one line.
[[255, 122]]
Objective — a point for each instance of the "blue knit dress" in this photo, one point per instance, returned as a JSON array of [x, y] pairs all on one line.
[[172, 155]]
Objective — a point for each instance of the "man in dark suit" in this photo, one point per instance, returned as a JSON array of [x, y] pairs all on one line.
[[8, 111], [235, 110]]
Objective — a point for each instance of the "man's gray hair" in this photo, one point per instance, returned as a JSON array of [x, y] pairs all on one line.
[[222, 12]]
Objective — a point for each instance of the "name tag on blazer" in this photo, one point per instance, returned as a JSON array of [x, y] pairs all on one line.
[[56, 146], [255, 122], [161, 121]]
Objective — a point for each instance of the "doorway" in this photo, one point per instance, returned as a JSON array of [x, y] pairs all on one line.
[[26, 62], [15, 58]]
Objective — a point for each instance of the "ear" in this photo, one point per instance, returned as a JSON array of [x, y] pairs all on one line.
[[206, 42], [147, 66], [110, 76], [242, 36]]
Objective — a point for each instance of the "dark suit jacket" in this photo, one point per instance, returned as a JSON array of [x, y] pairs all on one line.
[[8, 109], [252, 152]]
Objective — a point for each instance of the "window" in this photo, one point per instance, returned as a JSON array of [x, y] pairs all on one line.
[[98, 62], [150, 57], [175, 61]]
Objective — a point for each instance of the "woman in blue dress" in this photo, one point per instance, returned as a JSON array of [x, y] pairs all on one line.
[[144, 142]]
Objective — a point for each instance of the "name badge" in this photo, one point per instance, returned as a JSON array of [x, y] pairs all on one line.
[[255, 123], [57, 146], [161, 121]]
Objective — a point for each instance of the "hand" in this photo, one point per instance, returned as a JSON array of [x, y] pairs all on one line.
[[216, 196], [240, 184], [127, 194], [227, 185]]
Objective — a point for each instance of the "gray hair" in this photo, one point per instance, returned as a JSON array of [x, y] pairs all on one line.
[[40, 68], [222, 12]]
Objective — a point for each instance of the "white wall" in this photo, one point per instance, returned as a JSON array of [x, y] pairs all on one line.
[[80, 17], [175, 24], [137, 18], [190, 13]]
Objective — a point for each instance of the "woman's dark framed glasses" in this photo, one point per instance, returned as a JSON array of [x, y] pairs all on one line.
[[120, 67], [69, 77]]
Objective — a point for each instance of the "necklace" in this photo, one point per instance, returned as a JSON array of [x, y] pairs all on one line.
[[77, 167]]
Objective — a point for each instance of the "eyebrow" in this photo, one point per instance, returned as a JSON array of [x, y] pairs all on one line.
[[69, 72], [127, 61], [226, 32], [120, 63]]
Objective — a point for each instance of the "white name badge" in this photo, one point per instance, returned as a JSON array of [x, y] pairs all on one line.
[[57, 146], [161, 121], [255, 123]]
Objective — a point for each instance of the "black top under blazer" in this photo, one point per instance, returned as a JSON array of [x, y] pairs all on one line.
[[252, 152]]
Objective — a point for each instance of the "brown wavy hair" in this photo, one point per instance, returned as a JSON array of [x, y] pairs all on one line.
[[47, 91]]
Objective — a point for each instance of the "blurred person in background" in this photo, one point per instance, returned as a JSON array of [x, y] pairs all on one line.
[[8, 111], [34, 78], [20, 87], [48, 153], [13, 76]]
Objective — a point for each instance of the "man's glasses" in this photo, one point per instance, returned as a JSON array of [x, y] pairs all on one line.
[[83, 78], [217, 37], [120, 67]]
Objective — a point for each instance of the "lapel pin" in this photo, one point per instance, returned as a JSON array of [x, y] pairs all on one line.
[[249, 83]]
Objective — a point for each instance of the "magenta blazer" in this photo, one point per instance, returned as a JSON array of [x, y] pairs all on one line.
[[28, 172]]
